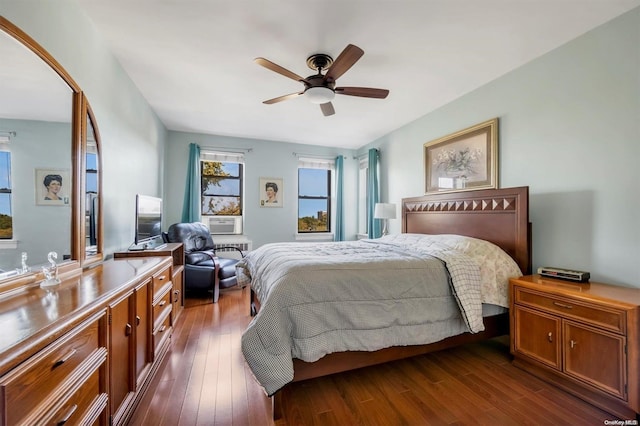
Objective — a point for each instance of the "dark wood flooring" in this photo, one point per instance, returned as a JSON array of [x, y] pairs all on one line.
[[205, 381]]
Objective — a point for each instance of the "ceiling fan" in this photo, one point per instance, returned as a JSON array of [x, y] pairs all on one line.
[[320, 89]]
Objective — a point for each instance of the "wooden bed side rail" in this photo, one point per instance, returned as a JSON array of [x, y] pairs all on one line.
[[497, 325]]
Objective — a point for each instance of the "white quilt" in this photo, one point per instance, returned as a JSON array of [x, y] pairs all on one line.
[[319, 298]]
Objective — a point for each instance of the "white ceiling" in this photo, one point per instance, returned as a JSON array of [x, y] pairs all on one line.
[[193, 60]]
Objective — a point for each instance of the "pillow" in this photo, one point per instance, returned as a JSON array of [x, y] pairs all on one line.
[[496, 266]]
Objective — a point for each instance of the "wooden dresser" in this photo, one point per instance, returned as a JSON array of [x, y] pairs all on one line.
[[584, 338], [176, 251], [84, 351]]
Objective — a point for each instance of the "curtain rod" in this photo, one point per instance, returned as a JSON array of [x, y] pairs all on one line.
[[226, 149], [318, 156]]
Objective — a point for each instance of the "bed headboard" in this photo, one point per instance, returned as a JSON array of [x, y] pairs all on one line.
[[497, 215]]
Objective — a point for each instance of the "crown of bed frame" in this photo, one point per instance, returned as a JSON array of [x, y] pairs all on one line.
[[501, 204]]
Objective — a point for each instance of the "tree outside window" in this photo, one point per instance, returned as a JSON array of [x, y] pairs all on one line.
[[221, 186]]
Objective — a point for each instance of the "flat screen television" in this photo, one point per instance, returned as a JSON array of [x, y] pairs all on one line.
[[148, 220]]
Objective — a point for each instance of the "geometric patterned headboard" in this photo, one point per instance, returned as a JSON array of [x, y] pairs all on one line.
[[497, 215]]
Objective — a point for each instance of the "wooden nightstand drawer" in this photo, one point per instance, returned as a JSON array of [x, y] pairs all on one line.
[[24, 388], [599, 316]]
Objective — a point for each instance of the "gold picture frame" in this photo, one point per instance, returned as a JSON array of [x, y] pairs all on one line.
[[463, 161]]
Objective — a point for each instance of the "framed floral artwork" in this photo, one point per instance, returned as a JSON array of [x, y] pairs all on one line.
[[463, 161]]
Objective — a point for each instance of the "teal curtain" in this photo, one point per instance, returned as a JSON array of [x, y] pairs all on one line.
[[373, 195], [339, 231], [191, 204]]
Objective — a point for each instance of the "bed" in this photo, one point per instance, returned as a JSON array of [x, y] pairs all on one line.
[[303, 294]]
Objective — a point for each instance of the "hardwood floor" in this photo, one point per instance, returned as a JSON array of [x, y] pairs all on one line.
[[205, 381]]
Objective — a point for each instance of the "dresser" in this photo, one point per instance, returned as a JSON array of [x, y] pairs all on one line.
[[582, 337], [84, 351], [176, 251]]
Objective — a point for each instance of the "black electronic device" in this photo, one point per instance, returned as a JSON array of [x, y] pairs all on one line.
[[564, 274], [148, 232]]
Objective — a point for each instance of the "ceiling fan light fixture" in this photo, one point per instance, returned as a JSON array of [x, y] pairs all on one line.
[[319, 95]]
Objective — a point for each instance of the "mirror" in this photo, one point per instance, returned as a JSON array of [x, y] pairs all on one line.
[[92, 191], [43, 168]]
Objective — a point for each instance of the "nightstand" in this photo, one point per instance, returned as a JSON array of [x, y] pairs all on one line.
[[582, 337]]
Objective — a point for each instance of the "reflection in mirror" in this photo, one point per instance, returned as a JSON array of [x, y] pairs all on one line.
[[92, 190], [36, 170]]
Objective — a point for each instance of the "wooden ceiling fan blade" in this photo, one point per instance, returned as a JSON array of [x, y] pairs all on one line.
[[277, 68], [282, 98], [364, 92], [327, 109], [343, 62]]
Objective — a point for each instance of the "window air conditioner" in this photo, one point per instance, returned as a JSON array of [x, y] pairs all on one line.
[[220, 225]]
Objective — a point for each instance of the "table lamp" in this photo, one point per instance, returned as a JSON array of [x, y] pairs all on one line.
[[384, 211]]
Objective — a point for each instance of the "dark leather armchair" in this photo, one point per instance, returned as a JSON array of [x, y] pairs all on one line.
[[204, 270]]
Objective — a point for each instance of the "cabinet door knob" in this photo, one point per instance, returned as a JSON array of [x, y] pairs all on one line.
[[127, 330], [138, 319], [573, 343], [550, 337]]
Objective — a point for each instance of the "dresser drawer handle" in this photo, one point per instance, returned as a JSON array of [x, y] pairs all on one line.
[[161, 278], [164, 302], [562, 305], [64, 359], [67, 416], [163, 328]]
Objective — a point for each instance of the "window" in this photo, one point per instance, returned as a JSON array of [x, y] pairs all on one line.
[[221, 186], [314, 196], [6, 220]]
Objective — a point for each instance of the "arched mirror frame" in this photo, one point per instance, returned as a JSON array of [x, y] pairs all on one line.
[[81, 115], [93, 255]]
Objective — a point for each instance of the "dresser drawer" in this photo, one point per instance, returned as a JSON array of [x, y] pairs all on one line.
[[83, 407], [162, 330], [162, 304], [597, 315], [160, 279], [28, 385]]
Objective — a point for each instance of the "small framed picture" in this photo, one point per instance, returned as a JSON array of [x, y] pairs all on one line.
[[52, 187], [271, 192]]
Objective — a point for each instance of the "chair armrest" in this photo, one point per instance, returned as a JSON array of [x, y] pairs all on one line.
[[230, 247]]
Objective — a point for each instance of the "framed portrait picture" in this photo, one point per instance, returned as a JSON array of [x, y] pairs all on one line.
[[271, 192], [463, 161], [52, 187]]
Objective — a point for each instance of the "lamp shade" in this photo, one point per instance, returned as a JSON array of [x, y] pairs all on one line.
[[384, 211]]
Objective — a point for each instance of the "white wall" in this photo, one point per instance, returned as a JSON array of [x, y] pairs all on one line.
[[570, 130], [266, 159]]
